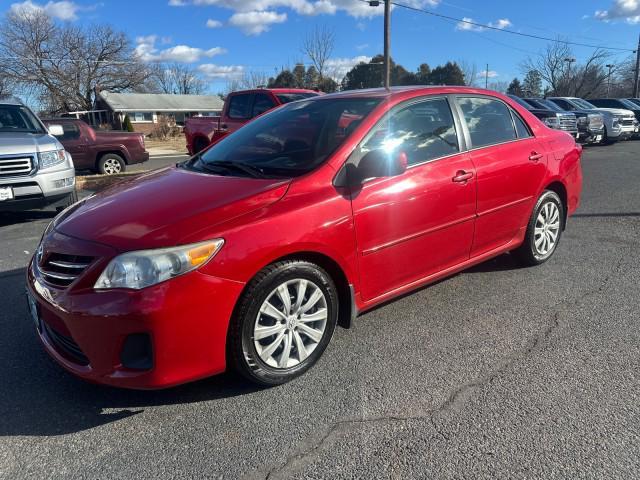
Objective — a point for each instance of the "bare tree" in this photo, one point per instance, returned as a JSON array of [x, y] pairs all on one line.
[[246, 81], [556, 67], [65, 64], [318, 46], [177, 78], [470, 72]]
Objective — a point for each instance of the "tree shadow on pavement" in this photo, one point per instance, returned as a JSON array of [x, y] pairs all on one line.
[[38, 397]]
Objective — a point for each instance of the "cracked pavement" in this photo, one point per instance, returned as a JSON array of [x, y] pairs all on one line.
[[497, 372]]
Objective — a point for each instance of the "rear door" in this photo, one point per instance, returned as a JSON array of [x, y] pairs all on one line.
[[421, 222], [510, 165]]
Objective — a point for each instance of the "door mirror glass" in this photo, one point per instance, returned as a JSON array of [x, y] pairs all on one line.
[[381, 163], [56, 130]]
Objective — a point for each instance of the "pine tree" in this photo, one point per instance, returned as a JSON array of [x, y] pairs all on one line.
[[532, 84], [515, 88]]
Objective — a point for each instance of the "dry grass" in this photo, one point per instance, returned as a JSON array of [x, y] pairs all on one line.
[[178, 143]]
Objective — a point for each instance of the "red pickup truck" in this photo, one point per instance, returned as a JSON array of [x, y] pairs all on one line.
[[105, 152], [239, 108]]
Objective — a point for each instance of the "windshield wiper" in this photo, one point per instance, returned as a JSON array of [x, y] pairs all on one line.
[[240, 167]]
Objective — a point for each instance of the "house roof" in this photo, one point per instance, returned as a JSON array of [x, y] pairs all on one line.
[[161, 102]]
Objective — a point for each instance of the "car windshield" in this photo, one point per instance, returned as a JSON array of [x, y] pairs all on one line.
[[629, 104], [544, 104], [520, 101], [16, 118], [294, 97], [583, 104], [635, 101], [286, 142]]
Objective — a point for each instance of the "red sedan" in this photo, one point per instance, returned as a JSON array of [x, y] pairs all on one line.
[[248, 255]]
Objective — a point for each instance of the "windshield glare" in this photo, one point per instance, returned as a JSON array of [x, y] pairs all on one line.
[[629, 104], [16, 118], [583, 104], [289, 141]]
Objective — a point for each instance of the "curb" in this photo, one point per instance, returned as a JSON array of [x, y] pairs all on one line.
[[99, 182]]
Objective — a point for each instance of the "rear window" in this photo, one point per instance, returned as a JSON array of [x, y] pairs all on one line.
[[293, 97], [489, 121], [239, 106]]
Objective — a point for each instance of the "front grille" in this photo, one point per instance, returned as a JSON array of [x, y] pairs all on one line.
[[568, 123], [61, 270], [626, 121], [66, 346], [16, 166]]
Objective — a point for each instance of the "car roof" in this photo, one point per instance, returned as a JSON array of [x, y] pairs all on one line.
[[409, 91]]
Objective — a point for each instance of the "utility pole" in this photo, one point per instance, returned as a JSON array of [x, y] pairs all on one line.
[[486, 77], [635, 78], [387, 40], [387, 44], [569, 61], [609, 66]]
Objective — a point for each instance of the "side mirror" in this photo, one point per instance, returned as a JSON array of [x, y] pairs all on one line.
[[56, 130], [378, 163]]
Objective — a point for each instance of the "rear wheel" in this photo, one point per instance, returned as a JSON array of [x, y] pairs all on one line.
[[111, 164], [543, 231], [283, 323]]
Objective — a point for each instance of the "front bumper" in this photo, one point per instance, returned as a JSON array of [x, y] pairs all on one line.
[[85, 331], [39, 189]]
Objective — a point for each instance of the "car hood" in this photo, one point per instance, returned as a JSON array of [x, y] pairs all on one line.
[[617, 111], [26, 143], [166, 207]]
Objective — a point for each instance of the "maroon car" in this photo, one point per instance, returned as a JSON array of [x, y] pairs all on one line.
[[103, 152]]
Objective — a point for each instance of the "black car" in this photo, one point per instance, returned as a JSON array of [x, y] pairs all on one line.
[[555, 119], [590, 125]]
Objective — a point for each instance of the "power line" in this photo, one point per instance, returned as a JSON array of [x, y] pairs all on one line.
[[505, 30]]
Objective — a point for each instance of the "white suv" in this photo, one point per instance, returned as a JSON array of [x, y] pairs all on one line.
[[35, 170]]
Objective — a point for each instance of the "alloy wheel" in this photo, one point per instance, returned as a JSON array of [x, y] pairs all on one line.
[[112, 166], [290, 324], [547, 229]]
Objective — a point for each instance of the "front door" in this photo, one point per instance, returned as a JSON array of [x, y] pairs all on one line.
[[421, 222]]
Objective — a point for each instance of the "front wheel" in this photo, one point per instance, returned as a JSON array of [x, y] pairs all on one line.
[[283, 323], [543, 231]]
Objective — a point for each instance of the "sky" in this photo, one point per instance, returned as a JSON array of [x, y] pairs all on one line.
[[225, 38]]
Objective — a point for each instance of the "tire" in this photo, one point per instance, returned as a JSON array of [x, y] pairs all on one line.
[[111, 164], [546, 220], [199, 145], [70, 200], [256, 358], [605, 138]]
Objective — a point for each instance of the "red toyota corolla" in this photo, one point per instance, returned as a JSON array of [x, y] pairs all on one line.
[[249, 254]]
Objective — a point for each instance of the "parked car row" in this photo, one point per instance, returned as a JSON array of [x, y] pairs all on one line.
[[597, 121]]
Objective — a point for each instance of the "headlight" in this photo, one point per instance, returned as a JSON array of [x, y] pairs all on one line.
[[144, 268], [49, 159], [552, 122], [583, 120]]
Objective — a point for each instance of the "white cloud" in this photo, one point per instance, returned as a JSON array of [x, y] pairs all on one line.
[[362, 47], [257, 22], [501, 23], [628, 10], [63, 10], [213, 23], [148, 52], [338, 67], [221, 72], [489, 74], [354, 8]]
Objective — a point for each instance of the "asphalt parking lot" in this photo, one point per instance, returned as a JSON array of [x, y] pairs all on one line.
[[497, 372]]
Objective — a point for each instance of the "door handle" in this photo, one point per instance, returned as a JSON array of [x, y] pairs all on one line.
[[462, 176], [535, 156]]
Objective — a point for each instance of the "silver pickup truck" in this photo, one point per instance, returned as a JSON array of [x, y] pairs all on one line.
[[35, 170]]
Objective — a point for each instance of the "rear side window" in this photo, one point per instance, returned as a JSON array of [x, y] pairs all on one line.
[[261, 104], [489, 121], [239, 106], [71, 131], [521, 128], [423, 130]]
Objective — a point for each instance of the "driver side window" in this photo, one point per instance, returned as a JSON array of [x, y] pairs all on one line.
[[423, 131]]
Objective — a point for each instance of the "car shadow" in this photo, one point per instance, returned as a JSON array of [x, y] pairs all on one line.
[[39, 398], [13, 218]]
